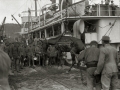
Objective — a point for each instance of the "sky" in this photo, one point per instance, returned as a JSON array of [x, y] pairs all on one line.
[[16, 7]]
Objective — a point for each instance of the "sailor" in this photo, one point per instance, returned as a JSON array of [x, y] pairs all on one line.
[[90, 57], [107, 65]]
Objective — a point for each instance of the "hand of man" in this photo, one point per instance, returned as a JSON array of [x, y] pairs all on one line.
[[96, 73]]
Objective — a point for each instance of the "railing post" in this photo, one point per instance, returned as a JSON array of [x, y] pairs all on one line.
[[99, 10], [61, 8]]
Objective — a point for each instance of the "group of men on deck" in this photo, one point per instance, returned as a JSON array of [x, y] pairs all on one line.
[[102, 65]]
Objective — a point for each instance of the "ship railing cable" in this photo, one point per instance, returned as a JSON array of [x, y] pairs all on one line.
[[20, 7], [112, 27], [109, 29]]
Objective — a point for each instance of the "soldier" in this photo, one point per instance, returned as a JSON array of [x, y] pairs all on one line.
[[15, 55], [2, 46], [107, 65], [11, 56], [52, 54], [37, 53], [91, 56], [22, 55], [30, 52]]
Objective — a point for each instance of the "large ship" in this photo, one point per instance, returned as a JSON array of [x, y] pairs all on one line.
[[81, 20]]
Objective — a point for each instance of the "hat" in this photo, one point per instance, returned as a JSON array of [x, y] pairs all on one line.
[[106, 38], [93, 43]]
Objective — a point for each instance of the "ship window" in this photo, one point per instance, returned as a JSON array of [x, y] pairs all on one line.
[[57, 30], [37, 34], [42, 34], [90, 26], [49, 32]]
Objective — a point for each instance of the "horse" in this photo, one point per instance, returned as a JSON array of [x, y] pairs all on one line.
[[43, 48], [76, 48], [5, 64]]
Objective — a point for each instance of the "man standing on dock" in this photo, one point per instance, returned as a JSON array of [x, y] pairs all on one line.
[[91, 56], [107, 65]]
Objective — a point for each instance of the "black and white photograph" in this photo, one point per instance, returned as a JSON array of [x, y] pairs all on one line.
[[59, 44]]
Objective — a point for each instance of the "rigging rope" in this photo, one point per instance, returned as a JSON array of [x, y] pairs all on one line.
[[20, 7], [109, 29]]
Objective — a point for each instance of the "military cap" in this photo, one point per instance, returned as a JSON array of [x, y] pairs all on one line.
[[93, 43], [106, 38]]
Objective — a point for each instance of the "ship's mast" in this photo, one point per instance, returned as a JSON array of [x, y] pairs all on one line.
[[36, 8]]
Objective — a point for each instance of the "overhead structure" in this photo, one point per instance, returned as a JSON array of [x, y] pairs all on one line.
[[16, 21], [2, 29], [36, 8]]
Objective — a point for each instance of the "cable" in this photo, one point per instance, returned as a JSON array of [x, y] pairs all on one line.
[[97, 25], [109, 29], [39, 4], [31, 4], [112, 27], [20, 7]]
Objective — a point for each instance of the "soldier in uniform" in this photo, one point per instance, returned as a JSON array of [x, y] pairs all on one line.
[[52, 54], [107, 65], [22, 55], [30, 52], [91, 56], [2, 46], [37, 53], [15, 55]]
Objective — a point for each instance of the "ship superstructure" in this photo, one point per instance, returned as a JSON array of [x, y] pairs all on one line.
[[84, 21]]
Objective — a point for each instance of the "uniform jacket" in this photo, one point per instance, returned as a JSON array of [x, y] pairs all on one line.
[[10, 50], [30, 50], [37, 49], [52, 51], [22, 50], [108, 60], [90, 54], [15, 51]]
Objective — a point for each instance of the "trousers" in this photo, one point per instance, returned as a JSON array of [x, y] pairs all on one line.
[[109, 81], [91, 82]]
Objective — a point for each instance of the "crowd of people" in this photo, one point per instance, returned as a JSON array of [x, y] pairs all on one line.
[[102, 64], [35, 53]]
